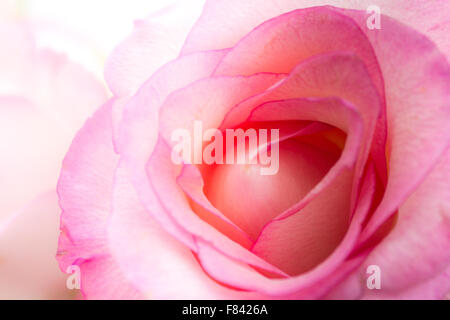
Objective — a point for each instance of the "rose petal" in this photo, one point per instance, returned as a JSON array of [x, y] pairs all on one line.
[[325, 110], [86, 172], [329, 110], [192, 183], [42, 103], [436, 288], [395, 45], [25, 169], [63, 90], [233, 19], [162, 174], [300, 242], [16, 57], [208, 101], [300, 167], [154, 42], [311, 285], [158, 264], [417, 83], [326, 206], [49, 80], [138, 131], [279, 44], [141, 113], [337, 75], [240, 275], [85, 188], [103, 279], [422, 230], [28, 269]]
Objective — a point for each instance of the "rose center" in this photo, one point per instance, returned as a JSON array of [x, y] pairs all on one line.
[[250, 199]]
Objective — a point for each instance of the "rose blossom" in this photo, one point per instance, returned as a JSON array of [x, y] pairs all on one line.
[[364, 166]]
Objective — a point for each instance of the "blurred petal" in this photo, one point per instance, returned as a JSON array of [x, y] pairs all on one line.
[[16, 57], [64, 90], [28, 269], [46, 98], [31, 148], [155, 41]]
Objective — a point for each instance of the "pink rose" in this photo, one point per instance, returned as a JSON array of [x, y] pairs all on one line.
[[364, 168]]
